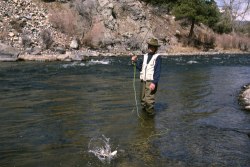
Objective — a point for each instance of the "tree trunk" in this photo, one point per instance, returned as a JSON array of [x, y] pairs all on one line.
[[191, 33]]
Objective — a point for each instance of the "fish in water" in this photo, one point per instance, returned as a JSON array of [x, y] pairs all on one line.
[[100, 147]]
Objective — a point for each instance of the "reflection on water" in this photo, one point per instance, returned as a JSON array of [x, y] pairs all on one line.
[[49, 113]]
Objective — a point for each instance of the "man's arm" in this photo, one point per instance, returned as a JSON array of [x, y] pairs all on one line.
[[139, 62], [157, 70]]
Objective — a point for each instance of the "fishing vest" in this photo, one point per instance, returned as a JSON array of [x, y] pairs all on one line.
[[147, 72]]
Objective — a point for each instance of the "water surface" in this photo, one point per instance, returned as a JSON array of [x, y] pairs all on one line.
[[49, 111]]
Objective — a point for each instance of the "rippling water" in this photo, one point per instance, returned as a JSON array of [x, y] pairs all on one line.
[[50, 111]]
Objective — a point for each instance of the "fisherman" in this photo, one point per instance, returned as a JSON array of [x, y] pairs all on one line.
[[150, 69]]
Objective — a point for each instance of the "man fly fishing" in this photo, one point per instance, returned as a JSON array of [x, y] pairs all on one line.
[[150, 69]]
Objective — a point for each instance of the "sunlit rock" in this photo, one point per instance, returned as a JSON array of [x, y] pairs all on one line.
[[244, 97]]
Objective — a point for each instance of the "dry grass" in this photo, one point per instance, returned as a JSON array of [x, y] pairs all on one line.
[[181, 49], [233, 41]]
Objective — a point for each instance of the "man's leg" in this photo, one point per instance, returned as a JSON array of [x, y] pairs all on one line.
[[150, 99], [143, 102]]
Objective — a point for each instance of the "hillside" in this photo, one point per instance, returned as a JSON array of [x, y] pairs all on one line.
[[96, 26]]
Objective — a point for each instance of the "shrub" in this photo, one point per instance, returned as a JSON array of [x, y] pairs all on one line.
[[209, 42], [3, 35], [65, 20], [26, 41], [46, 38], [133, 43], [85, 10], [17, 24], [233, 41]]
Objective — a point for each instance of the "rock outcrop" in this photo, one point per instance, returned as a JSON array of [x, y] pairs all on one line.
[[244, 97]]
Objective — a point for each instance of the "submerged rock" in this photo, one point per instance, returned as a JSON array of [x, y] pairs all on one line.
[[244, 97]]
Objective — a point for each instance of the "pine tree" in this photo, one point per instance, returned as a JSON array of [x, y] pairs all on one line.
[[197, 11]]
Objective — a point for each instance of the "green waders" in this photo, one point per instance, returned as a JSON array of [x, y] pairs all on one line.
[[148, 97]]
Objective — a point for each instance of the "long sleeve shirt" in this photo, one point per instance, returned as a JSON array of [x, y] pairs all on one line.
[[157, 67]]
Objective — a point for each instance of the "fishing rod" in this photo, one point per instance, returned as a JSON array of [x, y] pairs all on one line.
[[135, 94]]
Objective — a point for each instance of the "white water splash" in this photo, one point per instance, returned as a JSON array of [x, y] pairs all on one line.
[[100, 147], [92, 62], [192, 62], [74, 64]]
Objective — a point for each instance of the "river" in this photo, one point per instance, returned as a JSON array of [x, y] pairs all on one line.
[[50, 111]]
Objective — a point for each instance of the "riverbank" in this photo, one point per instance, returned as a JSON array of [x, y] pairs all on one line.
[[8, 53], [85, 55]]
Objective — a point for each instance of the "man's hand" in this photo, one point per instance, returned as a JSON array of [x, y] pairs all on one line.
[[134, 59], [152, 86]]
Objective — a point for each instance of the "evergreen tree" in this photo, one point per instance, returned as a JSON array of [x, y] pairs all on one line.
[[196, 11]]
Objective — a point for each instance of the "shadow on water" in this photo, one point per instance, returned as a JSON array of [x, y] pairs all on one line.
[[49, 113]]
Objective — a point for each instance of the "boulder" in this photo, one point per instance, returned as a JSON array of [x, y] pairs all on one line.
[[60, 50], [36, 51], [8, 53], [74, 44], [244, 97]]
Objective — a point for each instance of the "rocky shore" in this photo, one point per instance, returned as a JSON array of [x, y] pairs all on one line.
[[8, 53]]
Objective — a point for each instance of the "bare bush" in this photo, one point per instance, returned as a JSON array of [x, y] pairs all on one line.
[[133, 43], [233, 41], [3, 35], [46, 38], [26, 41], [86, 10], [209, 42], [17, 24], [95, 37], [65, 20]]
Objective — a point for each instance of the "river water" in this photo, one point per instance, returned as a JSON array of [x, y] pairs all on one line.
[[50, 111]]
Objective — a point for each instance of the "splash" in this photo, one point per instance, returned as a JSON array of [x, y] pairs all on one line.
[[92, 62], [100, 147], [89, 63], [192, 62], [74, 64]]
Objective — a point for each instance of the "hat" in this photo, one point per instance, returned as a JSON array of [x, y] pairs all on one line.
[[153, 42]]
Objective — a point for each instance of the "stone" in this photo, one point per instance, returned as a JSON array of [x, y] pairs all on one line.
[[244, 97], [36, 51], [11, 34], [74, 44], [60, 50]]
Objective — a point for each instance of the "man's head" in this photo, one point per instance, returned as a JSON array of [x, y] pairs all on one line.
[[153, 45]]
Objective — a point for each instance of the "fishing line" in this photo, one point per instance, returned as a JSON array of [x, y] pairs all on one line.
[[135, 94]]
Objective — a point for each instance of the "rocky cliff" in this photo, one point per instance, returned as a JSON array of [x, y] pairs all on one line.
[[77, 28], [111, 26]]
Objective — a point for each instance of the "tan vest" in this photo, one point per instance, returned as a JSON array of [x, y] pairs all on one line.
[[147, 72]]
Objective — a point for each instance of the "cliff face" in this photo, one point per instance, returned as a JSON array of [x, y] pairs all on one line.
[[126, 24], [107, 25]]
